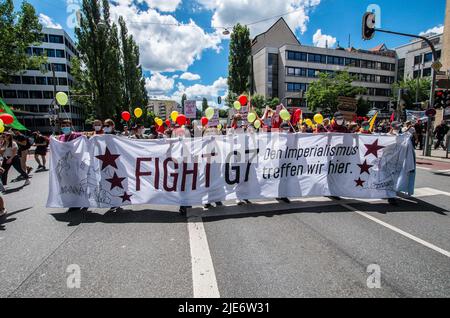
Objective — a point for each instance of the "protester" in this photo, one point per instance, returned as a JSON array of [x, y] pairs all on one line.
[[365, 128], [126, 132], [9, 151], [409, 128], [98, 127], [139, 132], [419, 133], [67, 131], [440, 132], [41, 142], [338, 126], [24, 145], [109, 128], [3, 211]]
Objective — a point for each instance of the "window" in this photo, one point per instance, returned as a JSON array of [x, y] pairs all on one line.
[[44, 38], [43, 108], [60, 67], [352, 62], [296, 56], [60, 53], [37, 51], [29, 51], [41, 80], [62, 81], [48, 94], [16, 80], [290, 71], [438, 54], [401, 69], [426, 72], [428, 57], [296, 87], [317, 58], [416, 74], [50, 81], [9, 94], [417, 59], [336, 60], [36, 94], [22, 94], [28, 80], [312, 73], [50, 52], [56, 39]]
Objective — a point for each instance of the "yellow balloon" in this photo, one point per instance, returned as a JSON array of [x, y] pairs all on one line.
[[159, 121], [209, 113], [257, 124], [251, 117], [237, 105], [219, 127], [309, 122], [138, 112], [2, 126], [318, 118], [284, 114], [62, 98], [174, 116]]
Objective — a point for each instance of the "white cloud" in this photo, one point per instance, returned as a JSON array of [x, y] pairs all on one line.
[[437, 30], [323, 40], [166, 45], [47, 22], [163, 5], [159, 84], [190, 77], [229, 12]]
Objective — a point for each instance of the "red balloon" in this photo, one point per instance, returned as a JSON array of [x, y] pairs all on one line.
[[298, 112], [168, 122], [243, 100], [126, 116], [188, 121], [7, 119], [205, 121], [181, 120]]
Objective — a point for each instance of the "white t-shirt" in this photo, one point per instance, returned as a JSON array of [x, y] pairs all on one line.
[[8, 153]]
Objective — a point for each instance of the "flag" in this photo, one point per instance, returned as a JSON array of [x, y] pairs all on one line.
[[372, 121], [392, 117], [4, 109]]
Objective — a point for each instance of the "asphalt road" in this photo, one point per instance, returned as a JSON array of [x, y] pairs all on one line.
[[313, 247]]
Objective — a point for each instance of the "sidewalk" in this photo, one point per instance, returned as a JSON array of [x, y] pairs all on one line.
[[436, 155]]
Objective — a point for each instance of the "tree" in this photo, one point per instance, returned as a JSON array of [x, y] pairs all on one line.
[[239, 60], [204, 104], [99, 49], [363, 107], [323, 94], [258, 101], [133, 94], [223, 113], [410, 90], [183, 99], [19, 30]]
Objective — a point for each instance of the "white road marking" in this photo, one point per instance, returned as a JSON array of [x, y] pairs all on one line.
[[203, 275], [443, 171], [399, 231], [425, 192], [423, 168]]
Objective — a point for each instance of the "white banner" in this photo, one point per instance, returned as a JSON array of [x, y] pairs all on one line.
[[110, 171]]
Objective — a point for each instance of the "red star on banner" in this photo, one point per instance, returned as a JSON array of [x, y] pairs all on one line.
[[126, 197], [373, 149], [365, 167], [360, 183], [116, 181], [108, 159]]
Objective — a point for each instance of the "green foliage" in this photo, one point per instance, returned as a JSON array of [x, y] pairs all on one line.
[[323, 94], [412, 86], [239, 60], [204, 104], [258, 101], [363, 107], [18, 30], [223, 113], [183, 99]]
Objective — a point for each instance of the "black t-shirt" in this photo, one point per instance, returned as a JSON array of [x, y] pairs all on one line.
[[41, 140], [20, 139]]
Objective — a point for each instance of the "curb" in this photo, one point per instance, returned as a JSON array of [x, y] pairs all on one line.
[[434, 159]]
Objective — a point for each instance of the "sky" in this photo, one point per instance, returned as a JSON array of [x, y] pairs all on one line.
[[183, 49]]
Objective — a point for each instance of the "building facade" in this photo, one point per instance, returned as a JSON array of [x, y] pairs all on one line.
[[446, 40], [415, 58], [163, 108], [31, 93], [284, 68]]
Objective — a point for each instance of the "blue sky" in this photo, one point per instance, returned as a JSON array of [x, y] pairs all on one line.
[[193, 57]]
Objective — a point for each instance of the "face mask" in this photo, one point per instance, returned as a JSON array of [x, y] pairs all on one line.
[[340, 122], [366, 127], [107, 130], [98, 128], [66, 130]]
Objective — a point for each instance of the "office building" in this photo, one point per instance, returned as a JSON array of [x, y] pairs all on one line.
[[31, 93], [163, 108], [284, 68]]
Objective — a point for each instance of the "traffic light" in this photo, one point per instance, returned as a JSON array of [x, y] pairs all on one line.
[[368, 27], [219, 100], [438, 99]]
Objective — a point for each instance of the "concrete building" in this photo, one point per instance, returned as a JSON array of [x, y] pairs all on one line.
[[415, 58], [163, 108], [446, 40], [283, 67], [30, 94]]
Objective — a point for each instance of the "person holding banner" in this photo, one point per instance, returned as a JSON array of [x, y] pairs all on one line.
[[338, 126], [109, 127], [365, 128], [67, 132], [98, 127]]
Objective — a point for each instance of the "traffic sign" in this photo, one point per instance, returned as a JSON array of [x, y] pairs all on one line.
[[437, 66], [431, 112]]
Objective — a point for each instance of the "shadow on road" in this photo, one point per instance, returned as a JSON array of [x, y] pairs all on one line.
[[125, 216], [7, 218]]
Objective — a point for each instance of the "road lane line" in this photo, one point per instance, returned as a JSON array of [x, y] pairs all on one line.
[[399, 231], [422, 168], [425, 192], [203, 275]]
